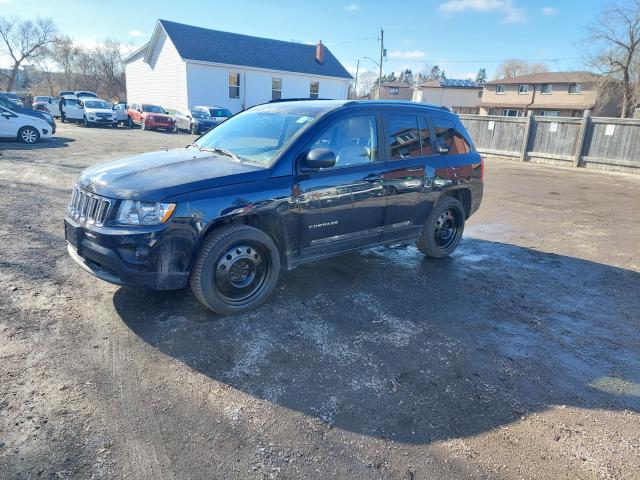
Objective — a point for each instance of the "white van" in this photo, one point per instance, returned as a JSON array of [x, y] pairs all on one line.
[[24, 128], [70, 109]]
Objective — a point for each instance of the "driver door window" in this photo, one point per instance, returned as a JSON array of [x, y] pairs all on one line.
[[353, 140]]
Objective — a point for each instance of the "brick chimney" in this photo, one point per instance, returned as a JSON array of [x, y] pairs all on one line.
[[319, 52]]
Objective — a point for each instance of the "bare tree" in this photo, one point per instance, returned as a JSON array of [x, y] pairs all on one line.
[[25, 41], [614, 40], [110, 68], [514, 68]]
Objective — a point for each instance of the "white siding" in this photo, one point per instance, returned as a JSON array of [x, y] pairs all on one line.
[[209, 85], [162, 81]]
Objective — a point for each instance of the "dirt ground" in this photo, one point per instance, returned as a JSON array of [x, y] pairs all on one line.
[[517, 358]]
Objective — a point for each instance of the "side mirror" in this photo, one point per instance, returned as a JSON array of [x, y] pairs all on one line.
[[319, 158]]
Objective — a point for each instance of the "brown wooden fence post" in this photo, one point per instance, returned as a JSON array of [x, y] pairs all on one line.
[[527, 130], [582, 135]]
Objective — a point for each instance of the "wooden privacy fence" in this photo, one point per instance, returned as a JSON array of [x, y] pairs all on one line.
[[592, 142]]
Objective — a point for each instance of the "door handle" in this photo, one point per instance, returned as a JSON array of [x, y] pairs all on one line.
[[373, 177]]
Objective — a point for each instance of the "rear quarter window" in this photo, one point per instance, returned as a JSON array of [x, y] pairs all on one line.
[[447, 133]]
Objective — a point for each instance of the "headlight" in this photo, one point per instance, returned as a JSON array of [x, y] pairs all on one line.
[[135, 212]]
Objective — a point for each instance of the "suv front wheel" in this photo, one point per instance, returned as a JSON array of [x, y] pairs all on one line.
[[236, 270], [443, 229]]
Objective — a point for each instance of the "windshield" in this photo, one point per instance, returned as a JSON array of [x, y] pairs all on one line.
[[256, 135], [219, 112], [200, 114], [152, 109], [96, 104]]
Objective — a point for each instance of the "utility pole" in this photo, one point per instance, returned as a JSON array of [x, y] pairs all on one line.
[[355, 88], [381, 54]]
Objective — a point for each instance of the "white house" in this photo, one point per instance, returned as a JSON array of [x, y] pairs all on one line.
[[183, 66], [459, 96]]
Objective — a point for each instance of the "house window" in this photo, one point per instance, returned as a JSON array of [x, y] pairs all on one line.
[[314, 90], [276, 88], [523, 89], [394, 90], [575, 88], [511, 112], [546, 88], [550, 113], [479, 93], [234, 85], [492, 111], [500, 89]]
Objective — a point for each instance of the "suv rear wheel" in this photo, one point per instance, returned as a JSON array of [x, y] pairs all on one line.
[[236, 270], [443, 229]]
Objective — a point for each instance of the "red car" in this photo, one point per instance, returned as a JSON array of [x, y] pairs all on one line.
[[149, 117]]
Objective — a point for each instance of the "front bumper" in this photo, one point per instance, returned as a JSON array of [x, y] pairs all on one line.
[[99, 251]]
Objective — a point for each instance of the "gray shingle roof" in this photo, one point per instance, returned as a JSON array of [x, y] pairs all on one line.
[[202, 44]]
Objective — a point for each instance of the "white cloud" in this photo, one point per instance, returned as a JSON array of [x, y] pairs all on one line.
[[407, 54], [136, 33], [549, 11], [510, 13], [353, 7]]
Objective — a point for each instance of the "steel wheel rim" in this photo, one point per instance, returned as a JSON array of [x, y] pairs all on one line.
[[29, 135], [241, 272], [447, 228]]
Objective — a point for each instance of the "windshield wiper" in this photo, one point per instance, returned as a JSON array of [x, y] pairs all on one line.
[[194, 144], [222, 151]]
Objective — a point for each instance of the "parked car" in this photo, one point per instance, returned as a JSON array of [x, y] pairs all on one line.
[[70, 109], [219, 114], [47, 104], [150, 117], [82, 93], [195, 121], [10, 105], [274, 187], [120, 109], [97, 112], [24, 128], [14, 97]]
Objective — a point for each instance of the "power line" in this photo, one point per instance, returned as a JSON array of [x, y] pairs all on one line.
[[410, 60]]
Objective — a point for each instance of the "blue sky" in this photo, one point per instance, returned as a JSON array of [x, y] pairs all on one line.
[[459, 35]]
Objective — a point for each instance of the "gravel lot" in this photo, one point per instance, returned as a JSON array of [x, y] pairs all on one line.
[[519, 357]]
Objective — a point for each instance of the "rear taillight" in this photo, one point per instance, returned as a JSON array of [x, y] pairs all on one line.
[[481, 168]]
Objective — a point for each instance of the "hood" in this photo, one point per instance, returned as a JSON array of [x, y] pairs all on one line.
[[152, 114], [209, 122], [99, 110], [157, 176]]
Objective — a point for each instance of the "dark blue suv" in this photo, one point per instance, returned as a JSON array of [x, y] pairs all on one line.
[[273, 187]]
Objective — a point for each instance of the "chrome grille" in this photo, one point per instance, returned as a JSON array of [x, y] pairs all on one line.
[[88, 207]]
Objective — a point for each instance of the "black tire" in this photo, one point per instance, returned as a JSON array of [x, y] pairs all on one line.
[[443, 229], [129, 122], [86, 122], [193, 130], [63, 119], [252, 253], [28, 135]]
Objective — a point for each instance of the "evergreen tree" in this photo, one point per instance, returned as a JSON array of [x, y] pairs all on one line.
[[481, 77]]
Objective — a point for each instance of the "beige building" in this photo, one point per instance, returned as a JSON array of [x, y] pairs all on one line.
[[459, 96], [392, 91], [560, 94]]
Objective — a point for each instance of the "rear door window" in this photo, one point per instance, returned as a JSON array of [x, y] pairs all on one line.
[[403, 136], [447, 135]]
